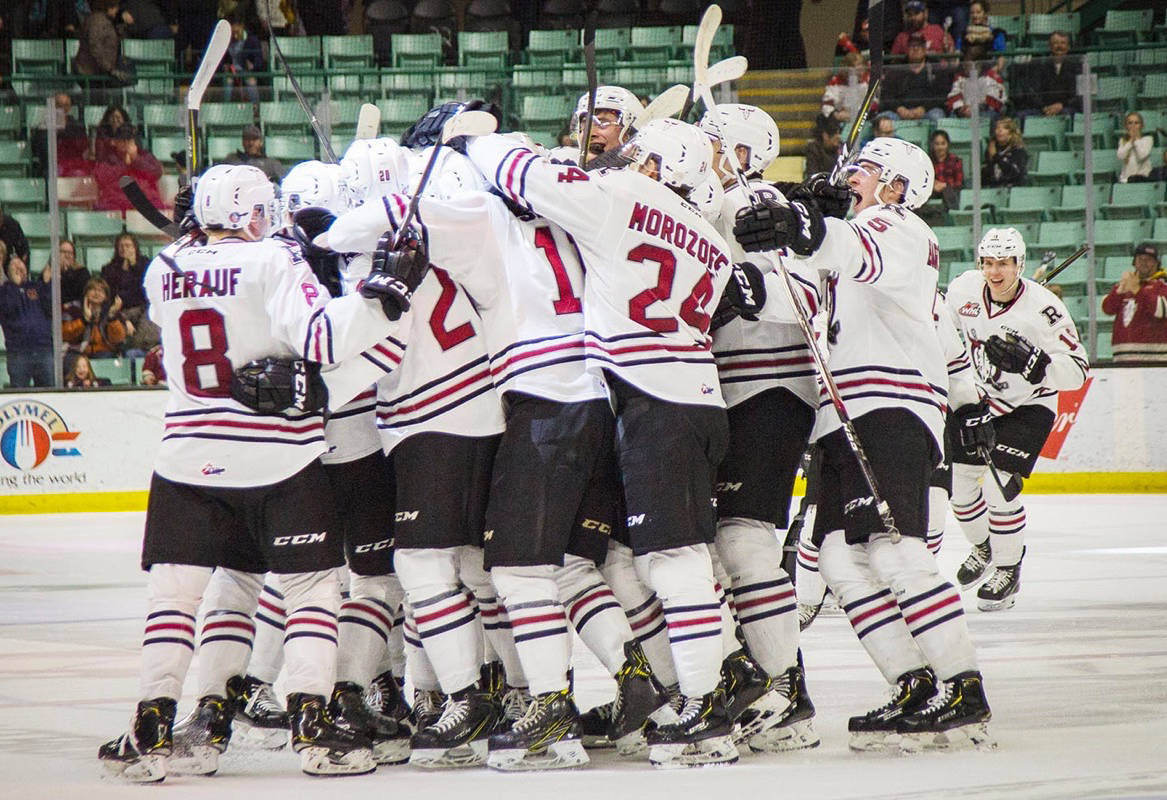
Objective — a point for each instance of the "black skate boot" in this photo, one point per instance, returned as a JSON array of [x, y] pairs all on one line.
[[324, 747], [347, 707], [751, 697], [204, 734], [140, 755], [547, 737], [638, 695], [593, 727], [427, 707], [457, 738], [957, 717], [386, 695], [807, 614], [515, 702], [796, 730], [700, 737], [877, 729], [973, 568], [260, 720], [999, 591]]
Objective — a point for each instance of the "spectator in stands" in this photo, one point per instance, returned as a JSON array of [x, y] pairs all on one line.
[[949, 169], [26, 317], [12, 235], [1138, 302], [74, 275], [952, 16], [244, 57], [1134, 149], [153, 371], [884, 125], [1053, 81], [253, 154], [918, 90], [128, 157], [990, 84], [112, 120], [93, 326], [144, 19], [846, 89], [79, 373], [822, 152], [979, 31], [100, 51], [277, 15], [73, 156], [124, 275], [1006, 159], [936, 40]]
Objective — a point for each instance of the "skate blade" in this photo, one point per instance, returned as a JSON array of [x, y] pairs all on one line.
[[966, 737], [632, 746], [324, 762], [146, 769], [250, 737], [593, 742], [199, 759], [713, 752], [997, 605], [784, 738], [472, 754], [391, 751], [766, 712], [564, 754], [874, 742]]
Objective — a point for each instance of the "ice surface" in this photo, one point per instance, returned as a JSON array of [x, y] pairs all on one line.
[[1076, 675]]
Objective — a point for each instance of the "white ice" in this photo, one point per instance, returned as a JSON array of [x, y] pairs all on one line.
[[1076, 676]]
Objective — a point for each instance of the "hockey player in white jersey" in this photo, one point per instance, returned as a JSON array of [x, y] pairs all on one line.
[[616, 110], [768, 382], [890, 371], [1025, 349], [654, 271], [236, 489]]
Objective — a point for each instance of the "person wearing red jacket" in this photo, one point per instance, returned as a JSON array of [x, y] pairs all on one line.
[[127, 157], [1138, 303]]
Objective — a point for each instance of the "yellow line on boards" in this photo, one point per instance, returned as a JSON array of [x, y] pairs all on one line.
[[1041, 483]]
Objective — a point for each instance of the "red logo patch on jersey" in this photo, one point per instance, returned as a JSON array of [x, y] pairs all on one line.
[[970, 309], [311, 292]]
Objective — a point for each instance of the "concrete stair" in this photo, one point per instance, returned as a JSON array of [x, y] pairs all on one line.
[[791, 97]]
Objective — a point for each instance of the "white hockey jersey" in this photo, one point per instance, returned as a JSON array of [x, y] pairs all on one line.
[[962, 382], [654, 268], [887, 353], [1036, 314], [234, 302], [753, 357]]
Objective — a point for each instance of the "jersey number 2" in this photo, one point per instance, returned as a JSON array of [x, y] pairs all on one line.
[[204, 349], [692, 309]]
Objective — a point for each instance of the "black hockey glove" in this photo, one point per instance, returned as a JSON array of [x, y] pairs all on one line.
[[272, 385], [973, 426], [184, 216], [744, 296], [772, 226], [395, 274], [307, 224], [829, 199], [1017, 354]]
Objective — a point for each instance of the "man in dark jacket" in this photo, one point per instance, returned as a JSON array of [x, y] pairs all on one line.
[[26, 309], [253, 154], [1053, 81]]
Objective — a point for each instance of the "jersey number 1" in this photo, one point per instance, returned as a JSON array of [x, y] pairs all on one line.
[[567, 303]]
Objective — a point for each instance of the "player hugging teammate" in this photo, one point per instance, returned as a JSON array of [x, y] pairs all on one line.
[[517, 396]]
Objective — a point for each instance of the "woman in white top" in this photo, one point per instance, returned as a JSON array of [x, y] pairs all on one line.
[[1134, 149]]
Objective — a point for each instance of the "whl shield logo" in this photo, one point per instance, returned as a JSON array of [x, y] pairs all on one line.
[[30, 432]]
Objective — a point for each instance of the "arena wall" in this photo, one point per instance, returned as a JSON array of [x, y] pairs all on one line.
[[72, 451]]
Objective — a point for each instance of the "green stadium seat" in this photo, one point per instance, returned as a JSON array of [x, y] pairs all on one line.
[[1029, 203], [93, 227], [38, 257], [401, 112], [574, 79], [722, 41], [151, 89], [164, 119], [535, 80], [483, 49], [1116, 93], [310, 85], [612, 44], [1109, 62], [149, 56], [1114, 266], [97, 256], [1105, 342], [409, 82], [290, 150], [641, 79], [1153, 93], [1159, 233], [221, 147], [1125, 27], [14, 159], [416, 49], [119, 371], [1061, 237], [282, 117], [464, 83], [1013, 26], [1102, 130], [546, 111], [1038, 27], [551, 48], [163, 146], [36, 228], [302, 52], [954, 269], [1133, 200], [956, 242], [680, 71], [1115, 237], [1043, 133], [18, 194], [659, 43], [1146, 60], [226, 119], [10, 124], [1072, 206], [354, 51], [38, 56], [1054, 167], [1104, 164]]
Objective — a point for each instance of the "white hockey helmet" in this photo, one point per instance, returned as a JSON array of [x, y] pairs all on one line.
[[1003, 243], [709, 198], [235, 197], [900, 160], [374, 168], [312, 183], [680, 152], [609, 98], [745, 126]]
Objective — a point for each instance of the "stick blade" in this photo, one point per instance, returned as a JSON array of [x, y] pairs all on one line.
[[368, 122], [728, 69], [212, 56], [469, 123], [703, 43], [665, 104]]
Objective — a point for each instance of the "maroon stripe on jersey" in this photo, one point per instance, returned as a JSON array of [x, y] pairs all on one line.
[[642, 348], [923, 387], [760, 363], [523, 356], [259, 426], [475, 378]]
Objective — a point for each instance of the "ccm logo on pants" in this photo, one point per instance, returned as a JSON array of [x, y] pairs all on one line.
[[300, 538]]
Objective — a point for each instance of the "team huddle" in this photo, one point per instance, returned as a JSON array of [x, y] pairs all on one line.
[[457, 399]]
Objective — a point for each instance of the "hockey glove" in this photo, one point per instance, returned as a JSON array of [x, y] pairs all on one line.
[[1016, 354], [184, 216], [744, 296], [272, 385], [973, 425], [773, 226], [829, 199], [395, 274], [307, 224]]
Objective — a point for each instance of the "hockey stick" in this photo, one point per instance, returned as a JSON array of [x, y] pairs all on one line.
[[216, 49], [665, 104], [724, 71], [1053, 273], [368, 122], [464, 123], [848, 152], [1010, 488], [593, 82], [325, 144], [143, 206]]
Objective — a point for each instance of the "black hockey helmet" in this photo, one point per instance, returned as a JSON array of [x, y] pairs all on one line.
[[427, 130]]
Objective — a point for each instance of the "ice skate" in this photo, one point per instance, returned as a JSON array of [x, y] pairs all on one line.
[[324, 747], [973, 568], [701, 737], [427, 707], [385, 695], [593, 726], [515, 701], [999, 591], [260, 720], [348, 708], [638, 695], [140, 755], [457, 738], [547, 737], [752, 698], [796, 729], [878, 729], [203, 735], [807, 614], [957, 717]]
